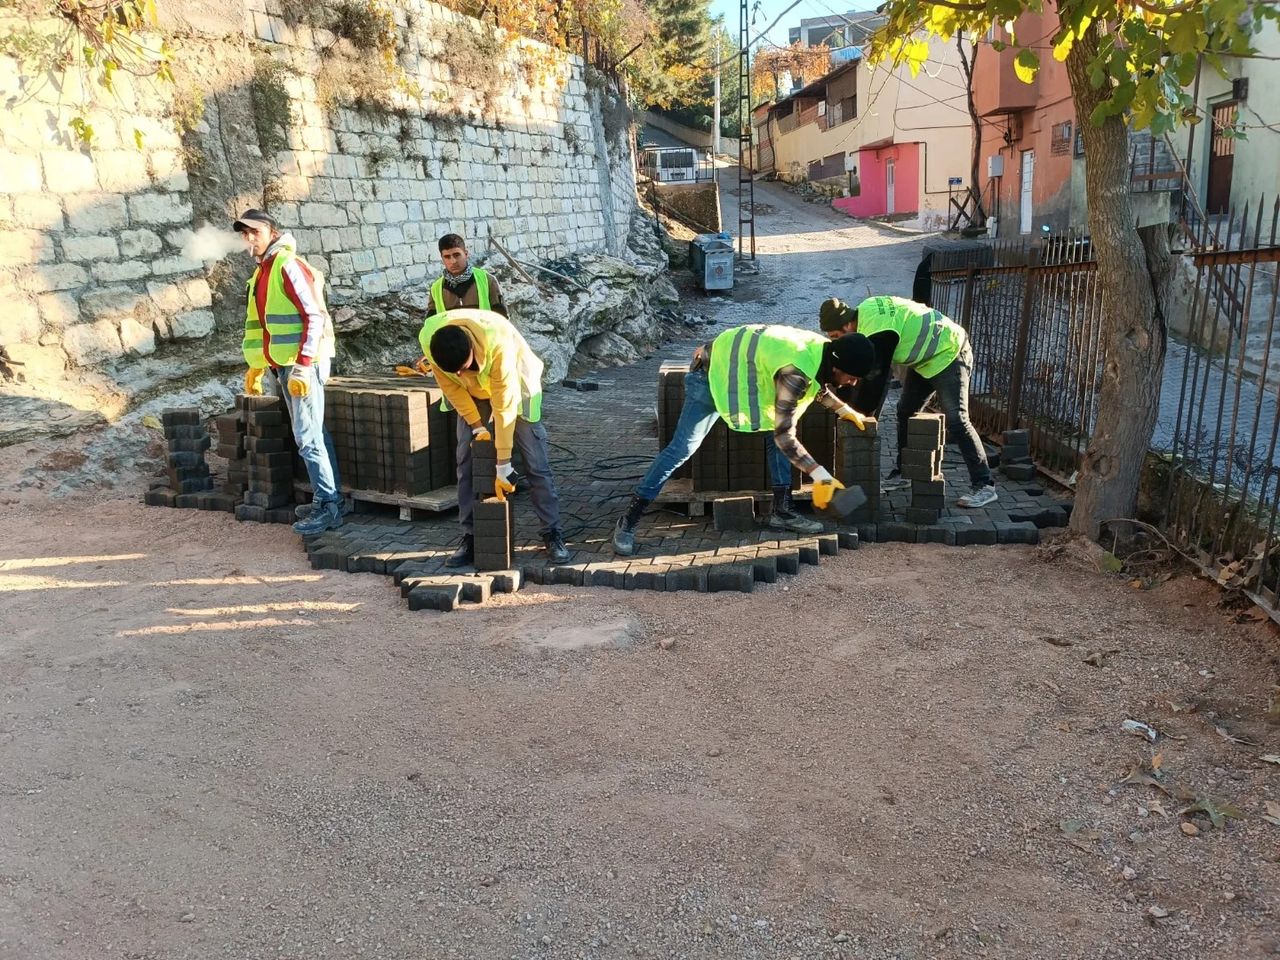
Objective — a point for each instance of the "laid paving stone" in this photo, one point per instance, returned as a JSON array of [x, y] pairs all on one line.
[[764, 569], [444, 598], [738, 577]]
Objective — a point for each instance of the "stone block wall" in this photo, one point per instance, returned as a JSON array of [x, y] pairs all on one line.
[[92, 265]]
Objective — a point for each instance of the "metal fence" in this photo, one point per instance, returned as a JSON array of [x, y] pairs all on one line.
[[1033, 316], [1033, 312]]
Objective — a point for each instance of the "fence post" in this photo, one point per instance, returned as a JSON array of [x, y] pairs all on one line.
[[1024, 338], [966, 304]]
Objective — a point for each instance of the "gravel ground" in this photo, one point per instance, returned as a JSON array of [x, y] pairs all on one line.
[[209, 750]]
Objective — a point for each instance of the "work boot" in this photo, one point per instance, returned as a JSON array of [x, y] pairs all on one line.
[[784, 516], [624, 536], [557, 552], [895, 481], [304, 510], [465, 555], [325, 516]]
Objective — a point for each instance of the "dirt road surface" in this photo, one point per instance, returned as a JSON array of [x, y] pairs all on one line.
[[208, 749]]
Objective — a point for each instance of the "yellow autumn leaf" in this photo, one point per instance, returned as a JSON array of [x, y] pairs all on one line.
[[152, 421], [1026, 66]]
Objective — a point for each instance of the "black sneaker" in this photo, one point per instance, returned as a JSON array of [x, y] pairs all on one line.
[[557, 552], [465, 555]]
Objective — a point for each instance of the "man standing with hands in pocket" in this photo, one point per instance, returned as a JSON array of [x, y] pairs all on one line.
[[287, 330]]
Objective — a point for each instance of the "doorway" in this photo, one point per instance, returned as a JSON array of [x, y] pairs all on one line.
[[889, 189], [1028, 178], [1222, 158]]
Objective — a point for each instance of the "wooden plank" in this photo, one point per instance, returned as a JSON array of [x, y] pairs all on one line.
[[437, 501]]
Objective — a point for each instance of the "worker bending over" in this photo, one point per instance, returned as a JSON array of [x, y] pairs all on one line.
[[480, 355], [939, 360], [758, 379]]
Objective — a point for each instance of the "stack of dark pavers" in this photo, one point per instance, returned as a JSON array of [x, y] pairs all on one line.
[[269, 460], [1015, 456], [390, 435], [856, 463], [670, 402], [187, 481], [922, 465], [231, 447], [494, 538]]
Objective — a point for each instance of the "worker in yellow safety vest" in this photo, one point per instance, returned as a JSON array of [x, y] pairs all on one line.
[[480, 355], [287, 330], [462, 285], [758, 379], [939, 360]]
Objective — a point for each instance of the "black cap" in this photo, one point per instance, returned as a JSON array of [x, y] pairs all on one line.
[[834, 314], [853, 354], [255, 218]]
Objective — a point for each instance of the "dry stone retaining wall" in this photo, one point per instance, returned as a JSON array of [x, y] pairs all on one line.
[[93, 271]]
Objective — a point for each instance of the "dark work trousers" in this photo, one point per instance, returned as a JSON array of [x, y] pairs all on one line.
[[952, 388], [531, 441]]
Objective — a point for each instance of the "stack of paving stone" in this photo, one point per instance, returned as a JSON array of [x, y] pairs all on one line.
[[390, 434], [922, 465], [187, 481], [816, 431], [269, 454], [1015, 456], [670, 402], [856, 463], [231, 437]]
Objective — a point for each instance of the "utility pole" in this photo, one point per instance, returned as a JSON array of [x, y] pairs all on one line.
[[746, 181], [715, 109]]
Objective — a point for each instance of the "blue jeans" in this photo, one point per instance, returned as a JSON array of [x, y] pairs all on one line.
[[531, 440], [697, 417], [315, 446]]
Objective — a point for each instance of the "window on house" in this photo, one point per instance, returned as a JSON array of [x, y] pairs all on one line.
[[1060, 143], [1079, 148]]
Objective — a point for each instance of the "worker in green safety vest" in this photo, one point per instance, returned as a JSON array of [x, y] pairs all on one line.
[[288, 331], [939, 360], [462, 285], [758, 379]]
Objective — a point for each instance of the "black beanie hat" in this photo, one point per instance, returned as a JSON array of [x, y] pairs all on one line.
[[853, 354], [834, 314]]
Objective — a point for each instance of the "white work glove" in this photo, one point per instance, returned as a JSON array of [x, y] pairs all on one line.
[[481, 434], [503, 485], [820, 475]]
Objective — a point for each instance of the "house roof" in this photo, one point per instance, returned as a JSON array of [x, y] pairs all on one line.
[[819, 87]]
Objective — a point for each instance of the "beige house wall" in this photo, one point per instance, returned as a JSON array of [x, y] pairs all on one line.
[[895, 107]]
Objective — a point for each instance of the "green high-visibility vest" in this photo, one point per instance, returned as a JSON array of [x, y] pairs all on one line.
[[744, 361], [283, 321], [496, 328], [928, 341], [482, 291]]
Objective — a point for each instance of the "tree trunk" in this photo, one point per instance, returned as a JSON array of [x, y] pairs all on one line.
[[1132, 272], [967, 64]]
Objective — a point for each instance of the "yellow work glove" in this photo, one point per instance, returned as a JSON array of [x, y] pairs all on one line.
[[854, 417], [824, 488], [253, 381], [502, 485], [480, 434], [299, 381]]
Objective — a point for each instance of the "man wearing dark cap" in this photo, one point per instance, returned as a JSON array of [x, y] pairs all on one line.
[[287, 330], [758, 379], [939, 360]]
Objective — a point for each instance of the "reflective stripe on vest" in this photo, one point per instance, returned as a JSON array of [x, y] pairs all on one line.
[[928, 341], [744, 362], [482, 291], [283, 321]]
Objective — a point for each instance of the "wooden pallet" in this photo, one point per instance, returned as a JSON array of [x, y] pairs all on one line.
[[681, 491], [423, 506]]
